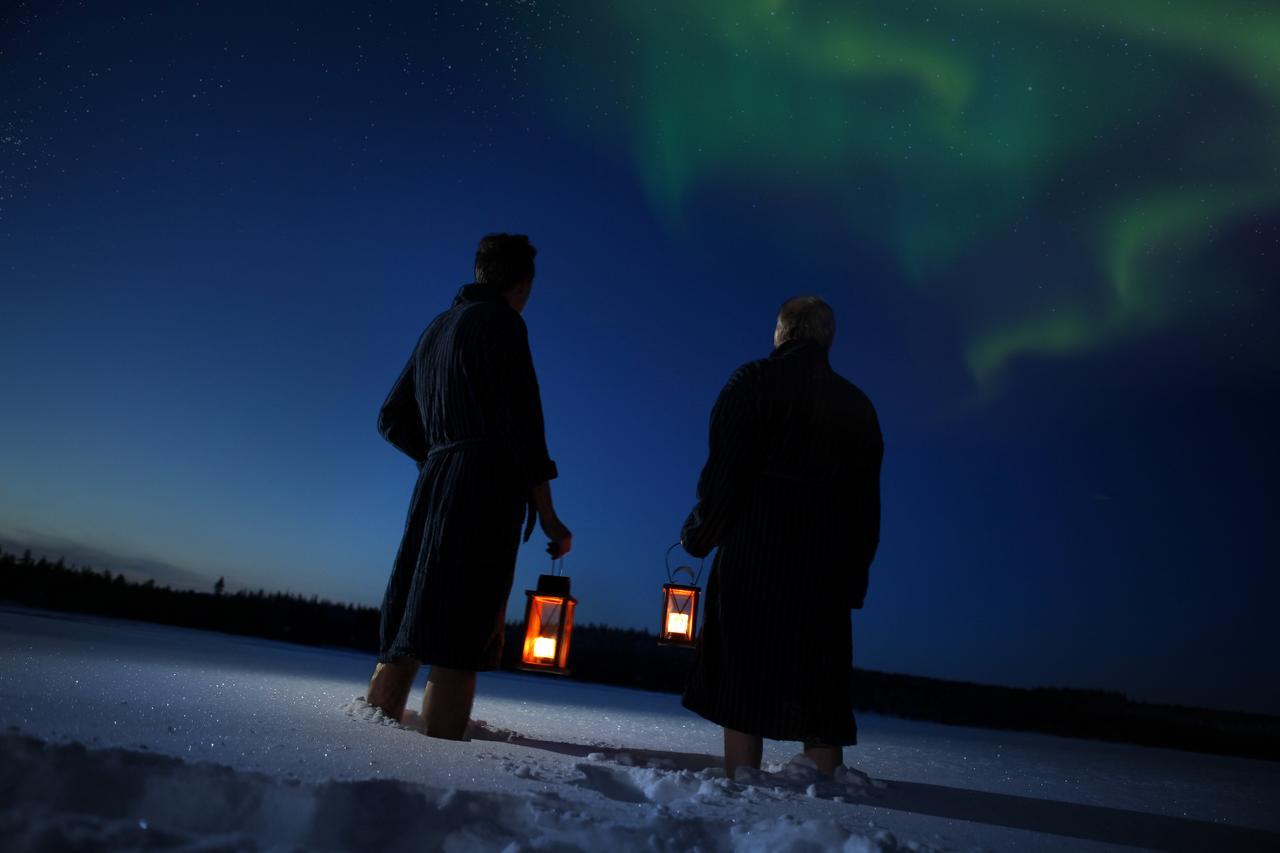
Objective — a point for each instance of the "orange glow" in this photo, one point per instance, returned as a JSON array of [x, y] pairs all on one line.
[[677, 623], [544, 648]]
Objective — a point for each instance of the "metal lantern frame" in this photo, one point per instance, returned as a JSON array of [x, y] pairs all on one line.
[[680, 599], [552, 592]]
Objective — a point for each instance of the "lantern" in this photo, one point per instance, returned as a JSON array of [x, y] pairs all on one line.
[[548, 623], [679, 626]]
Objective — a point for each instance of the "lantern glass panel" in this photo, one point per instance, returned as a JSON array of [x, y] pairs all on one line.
[[677, 623], [563, 658]]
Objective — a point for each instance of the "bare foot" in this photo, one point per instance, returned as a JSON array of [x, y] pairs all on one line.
[[411, 719]]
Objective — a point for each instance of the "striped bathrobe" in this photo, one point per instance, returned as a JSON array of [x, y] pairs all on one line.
[[790, 495], [467, 409]]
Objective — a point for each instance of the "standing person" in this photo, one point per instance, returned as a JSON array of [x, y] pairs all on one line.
[[466, 408], [790, 495]]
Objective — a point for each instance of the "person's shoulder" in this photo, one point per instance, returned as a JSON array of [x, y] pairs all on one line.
[[853, 393], [494, 315], [750, 373], [434, 328], [860, 413], [468, 320]]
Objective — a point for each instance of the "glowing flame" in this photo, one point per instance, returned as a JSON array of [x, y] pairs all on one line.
[[677, 623], [544, 647]]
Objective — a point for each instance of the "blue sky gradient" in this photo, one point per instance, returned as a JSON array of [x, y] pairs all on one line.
[[222, 230]]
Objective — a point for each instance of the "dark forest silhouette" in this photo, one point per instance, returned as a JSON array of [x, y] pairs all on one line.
[[632, 658]]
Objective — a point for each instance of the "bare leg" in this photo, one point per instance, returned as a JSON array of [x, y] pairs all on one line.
[[446, 706], [828, 758], [389, 688], [741, 750]]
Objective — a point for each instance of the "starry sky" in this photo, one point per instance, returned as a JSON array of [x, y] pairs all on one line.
[[1050, 236]]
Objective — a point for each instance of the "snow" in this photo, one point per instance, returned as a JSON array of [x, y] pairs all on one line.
[[123, 735]]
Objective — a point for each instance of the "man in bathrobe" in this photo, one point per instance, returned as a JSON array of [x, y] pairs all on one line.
[[790, 495], [467, 410]]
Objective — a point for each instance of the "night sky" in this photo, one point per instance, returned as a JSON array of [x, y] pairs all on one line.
[[1050, 236]]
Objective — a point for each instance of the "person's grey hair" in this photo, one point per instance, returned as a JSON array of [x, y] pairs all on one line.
[[805, 318]]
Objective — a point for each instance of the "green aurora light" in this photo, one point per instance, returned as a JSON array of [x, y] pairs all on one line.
[[1138, 131]]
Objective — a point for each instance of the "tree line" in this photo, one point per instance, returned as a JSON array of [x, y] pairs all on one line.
[[632, 658]]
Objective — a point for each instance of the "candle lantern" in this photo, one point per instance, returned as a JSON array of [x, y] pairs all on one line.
[[548, 624], [679, 626]]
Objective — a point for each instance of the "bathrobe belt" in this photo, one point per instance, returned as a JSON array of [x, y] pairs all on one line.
[[531, 512]]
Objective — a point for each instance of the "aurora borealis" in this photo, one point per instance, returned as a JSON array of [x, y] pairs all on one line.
[[942, 134], [1050, 235]]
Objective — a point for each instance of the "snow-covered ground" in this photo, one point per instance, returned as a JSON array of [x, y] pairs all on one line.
[[120, 735]]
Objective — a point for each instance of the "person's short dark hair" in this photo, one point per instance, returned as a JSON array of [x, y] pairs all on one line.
[[806, 318], [504, 260]]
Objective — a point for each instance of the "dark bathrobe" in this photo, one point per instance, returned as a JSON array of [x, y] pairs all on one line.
[[791, 496], [467, 410]]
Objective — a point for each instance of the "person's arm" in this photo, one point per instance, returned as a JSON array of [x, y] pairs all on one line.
[[560, 539], [726, 477], [528, 435], [866, 513], [399, 420]]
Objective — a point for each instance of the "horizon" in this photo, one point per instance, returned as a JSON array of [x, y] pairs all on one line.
[[1049, 237], [133, 579]]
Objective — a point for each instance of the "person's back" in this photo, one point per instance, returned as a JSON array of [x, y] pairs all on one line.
[[790, 496], [459, 369], [474, 381], [819, 445]]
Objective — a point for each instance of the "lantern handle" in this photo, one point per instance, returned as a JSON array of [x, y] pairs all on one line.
[[693, 579], [557, 566], [672, 573]]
